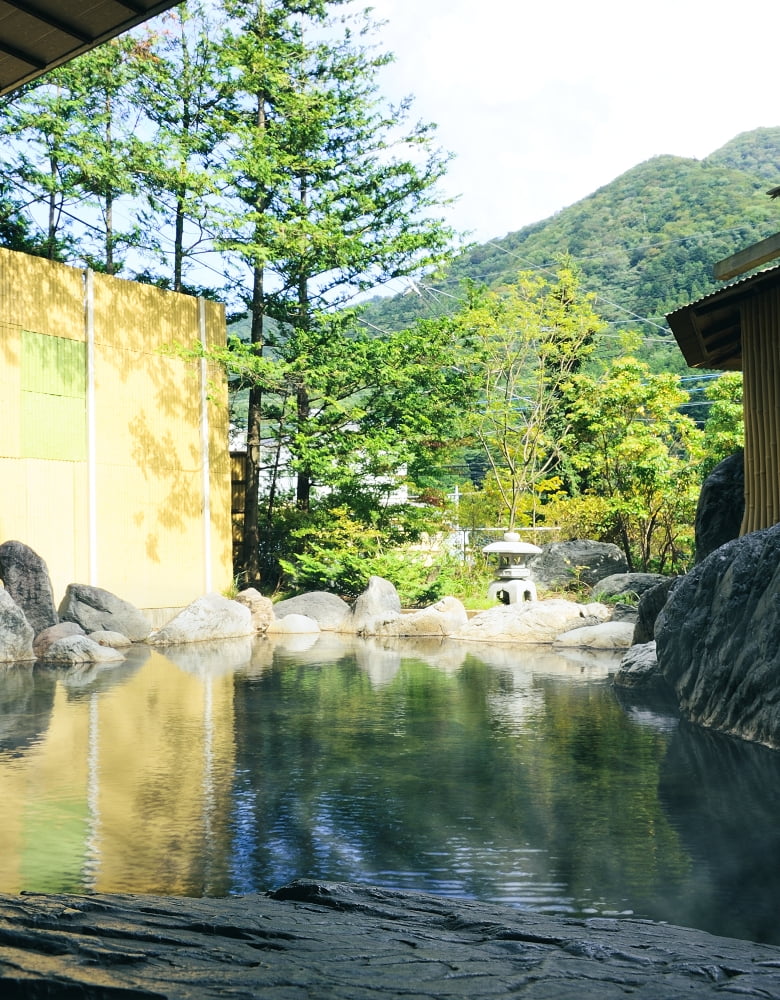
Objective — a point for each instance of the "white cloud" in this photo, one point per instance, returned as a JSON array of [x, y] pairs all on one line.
[[544, 103]]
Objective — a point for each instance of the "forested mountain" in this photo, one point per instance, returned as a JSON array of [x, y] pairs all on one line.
[[645, 243]]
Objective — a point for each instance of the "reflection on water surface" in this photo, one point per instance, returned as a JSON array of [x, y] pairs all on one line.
[[494, 772]]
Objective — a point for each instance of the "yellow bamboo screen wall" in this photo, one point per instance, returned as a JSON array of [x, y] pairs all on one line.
[[113, 454], [760, 321]]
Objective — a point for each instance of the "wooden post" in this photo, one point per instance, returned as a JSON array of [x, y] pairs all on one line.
[[761, 376]]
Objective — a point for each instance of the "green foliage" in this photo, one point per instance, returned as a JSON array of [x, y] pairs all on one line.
[[328, 192], [724, 430], [336, 552], [531, 337], [374, 405], [177, 81], [101, 150], [253, 131], [637, 459]]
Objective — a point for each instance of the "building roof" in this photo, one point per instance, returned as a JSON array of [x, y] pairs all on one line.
[[37, 35], [709, 331]]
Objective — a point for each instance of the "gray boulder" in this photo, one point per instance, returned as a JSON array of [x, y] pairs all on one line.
[[624, 613], [717, 639], [623, 584], [26, 578], [209, 617], [16, 633], [77, 649], [49, 635], [605, 635], [639, 668], [375, 607], [531, 621], [261, 608], [94, 608], [649, 608], [642, 690], [444, 618], [328, 610], [563, 563], [721, 505]]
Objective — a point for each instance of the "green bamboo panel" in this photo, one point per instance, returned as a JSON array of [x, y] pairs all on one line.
[[53, 403], [54, 365], [53, 427]]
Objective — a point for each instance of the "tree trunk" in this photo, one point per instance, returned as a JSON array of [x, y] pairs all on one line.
[[250, 548], [303, 483]]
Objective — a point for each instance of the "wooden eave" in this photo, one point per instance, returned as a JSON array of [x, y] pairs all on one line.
[[38, 35], [709, 331]]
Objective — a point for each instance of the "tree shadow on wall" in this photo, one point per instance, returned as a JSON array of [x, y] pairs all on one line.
[[155, 456]]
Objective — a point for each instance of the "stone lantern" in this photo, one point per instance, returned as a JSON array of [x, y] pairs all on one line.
[[512, 583]]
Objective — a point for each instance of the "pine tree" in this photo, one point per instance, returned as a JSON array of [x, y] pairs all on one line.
[[333, 197], [178, 85]]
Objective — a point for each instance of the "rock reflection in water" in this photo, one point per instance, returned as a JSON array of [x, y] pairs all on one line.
[[26, 701], [723, 796]]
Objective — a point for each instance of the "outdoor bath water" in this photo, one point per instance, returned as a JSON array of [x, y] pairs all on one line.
[[503, 773]]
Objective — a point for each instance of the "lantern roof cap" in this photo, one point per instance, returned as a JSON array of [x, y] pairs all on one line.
[[511, 544]]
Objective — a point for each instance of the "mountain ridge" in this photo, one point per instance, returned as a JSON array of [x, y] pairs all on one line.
[[645, 242]]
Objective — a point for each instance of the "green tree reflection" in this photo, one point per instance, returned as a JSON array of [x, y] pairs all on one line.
[[496, 783]]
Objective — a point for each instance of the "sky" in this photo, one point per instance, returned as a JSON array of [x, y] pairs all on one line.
[[544, 103]]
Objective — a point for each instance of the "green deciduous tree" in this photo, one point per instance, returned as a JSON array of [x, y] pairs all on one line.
[[724, 430], [638, 460], [383, 412], [533, 335]]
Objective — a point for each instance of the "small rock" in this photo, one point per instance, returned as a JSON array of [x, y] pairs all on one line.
[[293, 624], [378, 604], [444, 618], [261, 608], [49, 635], [328, 610], [639, 668]]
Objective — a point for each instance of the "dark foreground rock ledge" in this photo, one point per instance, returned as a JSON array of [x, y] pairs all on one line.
[[329, 940]]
